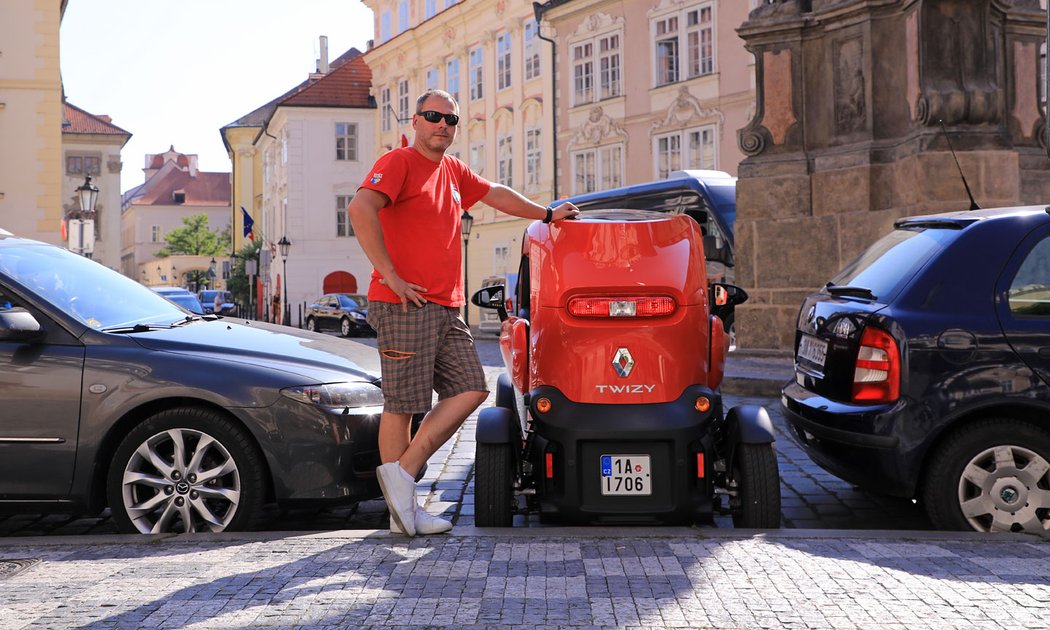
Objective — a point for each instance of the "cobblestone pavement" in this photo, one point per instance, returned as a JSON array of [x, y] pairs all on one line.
[[810, 497]]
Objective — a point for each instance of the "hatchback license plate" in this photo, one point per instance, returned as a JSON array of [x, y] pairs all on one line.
[[813, 350], [626, 475]]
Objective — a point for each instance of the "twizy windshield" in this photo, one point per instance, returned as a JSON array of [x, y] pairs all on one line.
[[87, 291]]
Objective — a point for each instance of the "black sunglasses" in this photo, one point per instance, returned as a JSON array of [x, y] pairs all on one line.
[[433, 117]]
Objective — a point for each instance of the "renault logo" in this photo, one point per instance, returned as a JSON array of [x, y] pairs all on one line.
[[623, 362]]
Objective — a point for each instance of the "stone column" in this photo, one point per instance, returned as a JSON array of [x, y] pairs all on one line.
[[857, 101]]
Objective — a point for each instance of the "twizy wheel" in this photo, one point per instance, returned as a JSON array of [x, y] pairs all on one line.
[[757, 483], [985, 480], [493, 485], [186, 470]]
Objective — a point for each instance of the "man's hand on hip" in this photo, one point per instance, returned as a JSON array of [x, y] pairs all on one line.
[[407, 291]]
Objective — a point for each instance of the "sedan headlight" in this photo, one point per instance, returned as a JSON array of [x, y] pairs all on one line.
[[339, 396], [356, 315]]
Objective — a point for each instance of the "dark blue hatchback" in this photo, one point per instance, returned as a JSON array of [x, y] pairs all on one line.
[[922, 369]]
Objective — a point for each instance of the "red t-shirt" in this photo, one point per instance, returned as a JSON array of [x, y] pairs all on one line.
[[421, 223]]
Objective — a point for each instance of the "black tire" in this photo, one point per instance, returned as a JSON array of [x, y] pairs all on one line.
[[998, 468], [344, 327], [757, 479], [493, 485], [178, 501], [311, 324]]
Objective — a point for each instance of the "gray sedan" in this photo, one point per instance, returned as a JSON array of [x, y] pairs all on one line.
[[112, 395]]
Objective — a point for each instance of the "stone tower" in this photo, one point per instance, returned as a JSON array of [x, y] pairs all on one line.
[[847, 134]]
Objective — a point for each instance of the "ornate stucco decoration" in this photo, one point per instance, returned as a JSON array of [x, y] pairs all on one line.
[[597, 23], [449, 37], [598, 128], [501, 8], [685, 109]]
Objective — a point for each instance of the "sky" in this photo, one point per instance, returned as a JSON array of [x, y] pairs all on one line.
[[173, 72]]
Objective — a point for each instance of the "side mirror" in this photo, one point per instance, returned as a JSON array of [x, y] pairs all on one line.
[[715, 249], [17, 324], [726, 295], [492, 297]]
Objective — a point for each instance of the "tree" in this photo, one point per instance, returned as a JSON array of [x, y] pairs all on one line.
[[238, 282], [195, 238]]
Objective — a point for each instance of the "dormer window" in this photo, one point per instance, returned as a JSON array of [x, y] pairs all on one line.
[[179, 196]]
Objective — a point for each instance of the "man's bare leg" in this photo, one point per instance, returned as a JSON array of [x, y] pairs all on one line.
[[438, 426]]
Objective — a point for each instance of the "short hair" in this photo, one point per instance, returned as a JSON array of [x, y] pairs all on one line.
[[434, 92]]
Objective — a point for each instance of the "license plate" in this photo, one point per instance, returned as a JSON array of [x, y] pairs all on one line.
[[626, 475], [813, 350]]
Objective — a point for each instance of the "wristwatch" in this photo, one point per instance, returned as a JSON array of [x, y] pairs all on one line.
[[550, 215]]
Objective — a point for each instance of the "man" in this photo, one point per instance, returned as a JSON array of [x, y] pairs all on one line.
[[406, 218]]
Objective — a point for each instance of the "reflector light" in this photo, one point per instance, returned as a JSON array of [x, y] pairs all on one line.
[[550, 465], [876, 373], [636, 306], [699, 465], [543, 405], [703, 403]]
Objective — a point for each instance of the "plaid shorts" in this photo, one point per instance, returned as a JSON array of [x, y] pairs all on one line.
[[427, 349]]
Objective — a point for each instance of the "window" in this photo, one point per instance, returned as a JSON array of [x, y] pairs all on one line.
[[449, 3], [1029, 292], [685, 53], [596, 169], [477, 157], [430, 9], [284, 146], [432, 78], [83, 165], [532, 160], [384, 26], [691, 148], [402, 16], [505, 165], [532, 51], [452, 77], [156, 235], [582, 73], [609, 66], [476, 69], [346, 141], [503, 61], [384, 105], [402, 100], [343, 227]]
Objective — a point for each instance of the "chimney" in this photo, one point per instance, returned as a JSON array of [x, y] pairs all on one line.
[[322, 63]]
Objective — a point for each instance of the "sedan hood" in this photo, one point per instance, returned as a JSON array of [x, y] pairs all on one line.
[[312, 355]]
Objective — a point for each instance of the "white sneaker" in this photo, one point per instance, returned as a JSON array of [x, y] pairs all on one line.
[[400, 495], [426, 524]]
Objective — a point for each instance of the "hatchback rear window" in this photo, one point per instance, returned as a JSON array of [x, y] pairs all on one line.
[[886, 266]]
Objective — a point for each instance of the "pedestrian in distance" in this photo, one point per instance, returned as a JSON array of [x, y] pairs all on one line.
[[406, 216]]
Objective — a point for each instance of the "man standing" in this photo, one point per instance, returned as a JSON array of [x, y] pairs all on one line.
[[406, 218]]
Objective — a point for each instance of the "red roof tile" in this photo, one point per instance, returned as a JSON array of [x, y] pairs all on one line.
[[206, 189], [80, 121], [346, 85]]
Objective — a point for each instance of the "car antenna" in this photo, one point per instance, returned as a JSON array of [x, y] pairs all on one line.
[[973, 203]]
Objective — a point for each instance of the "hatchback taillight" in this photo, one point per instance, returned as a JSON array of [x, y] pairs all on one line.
[[877, 372], [630, 306]]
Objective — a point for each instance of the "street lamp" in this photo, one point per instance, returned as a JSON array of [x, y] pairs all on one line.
[[466, 222], [84, 224], [285, 244]]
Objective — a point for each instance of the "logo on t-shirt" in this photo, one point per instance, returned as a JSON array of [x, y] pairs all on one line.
[[455, 194], [376, 178]]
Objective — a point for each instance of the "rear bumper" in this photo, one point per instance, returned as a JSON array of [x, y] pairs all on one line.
[[577, 435], [857, 443]]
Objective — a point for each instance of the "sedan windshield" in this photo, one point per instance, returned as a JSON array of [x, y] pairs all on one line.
[[91, 293]]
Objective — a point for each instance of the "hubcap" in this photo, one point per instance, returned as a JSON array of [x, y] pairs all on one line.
[[1006, 488], [181, 480]]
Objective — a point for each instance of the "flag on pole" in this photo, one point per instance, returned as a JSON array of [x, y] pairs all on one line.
[[249, 223]]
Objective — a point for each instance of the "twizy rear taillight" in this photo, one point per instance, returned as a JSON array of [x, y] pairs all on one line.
[[877, 372], [629, 306]]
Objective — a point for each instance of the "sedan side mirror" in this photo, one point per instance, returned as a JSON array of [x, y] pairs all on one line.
[[17, 324], [492, 298]]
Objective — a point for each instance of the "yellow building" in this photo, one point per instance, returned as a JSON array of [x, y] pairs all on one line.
[[31, 193], [488, 55]]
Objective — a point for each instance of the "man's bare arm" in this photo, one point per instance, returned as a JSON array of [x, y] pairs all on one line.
[[364, 216], [512, 202]]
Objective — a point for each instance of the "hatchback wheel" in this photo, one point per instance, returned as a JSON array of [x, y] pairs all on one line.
[[186, 470], [991, 476], [311, 323], [344, 327], [756, 479]]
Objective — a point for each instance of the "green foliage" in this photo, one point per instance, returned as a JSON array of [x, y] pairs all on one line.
[[238, 282], [195, 238]]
